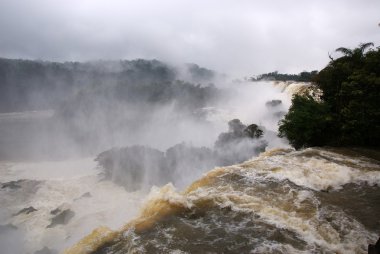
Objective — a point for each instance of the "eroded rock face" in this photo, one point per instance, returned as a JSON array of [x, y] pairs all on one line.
[[139, 167], [238, 131], [26, 210], [12, 185], [240, 143], [61, 217], [273, 103], [134, 166]]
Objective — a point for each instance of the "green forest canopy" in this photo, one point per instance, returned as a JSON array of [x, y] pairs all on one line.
[[349, 112], [304, 76]]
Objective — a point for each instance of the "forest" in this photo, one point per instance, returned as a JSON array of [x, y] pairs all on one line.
[[348, 113], [304, 76], [27, 85]]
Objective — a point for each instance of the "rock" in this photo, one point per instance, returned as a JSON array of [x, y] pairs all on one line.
[[374, 249], [128, 166], [26, 210], [238, 131], [55, 211], [253, 131], [62, 218], [12, 185], [273, 103], [186, 158], [236, 126], [239, 144], [138, 167]]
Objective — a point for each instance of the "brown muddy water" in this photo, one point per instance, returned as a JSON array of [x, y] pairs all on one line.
[[284, 201]]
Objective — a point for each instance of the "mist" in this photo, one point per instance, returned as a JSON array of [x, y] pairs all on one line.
[[104, 102], [82, 109], [245, 38], [142, 123]]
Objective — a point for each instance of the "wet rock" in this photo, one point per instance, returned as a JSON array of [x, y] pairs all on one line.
[[46, 250], [138, 167], [374, 249], [186, 158], [62, 217], [55, 211], [238, 131], [128, 166], [12, 184], [239, 144], [26, 210], [273, 103], [253, 131]]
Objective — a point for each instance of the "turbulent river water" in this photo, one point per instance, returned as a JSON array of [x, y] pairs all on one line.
[[284, 201], [316, 200]]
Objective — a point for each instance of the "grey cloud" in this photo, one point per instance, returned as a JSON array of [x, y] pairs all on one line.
[[238, 37]]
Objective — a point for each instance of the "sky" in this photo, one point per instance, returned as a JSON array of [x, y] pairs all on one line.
[[236, 37]]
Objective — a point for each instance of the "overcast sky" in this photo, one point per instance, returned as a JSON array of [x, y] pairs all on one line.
[[240, 37]]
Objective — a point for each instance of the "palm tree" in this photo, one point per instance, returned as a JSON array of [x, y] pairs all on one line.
[[346, 51], [357, 52]]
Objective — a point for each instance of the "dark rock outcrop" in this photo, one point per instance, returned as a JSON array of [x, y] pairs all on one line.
[[132, 166], [137, 167], [12, 185], [374, 249], [238, 131], [61, 218], [240, 143], [273, 103], [55, 211], [26, 210]]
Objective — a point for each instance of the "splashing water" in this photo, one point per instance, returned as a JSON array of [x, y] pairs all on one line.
[[284, 201]]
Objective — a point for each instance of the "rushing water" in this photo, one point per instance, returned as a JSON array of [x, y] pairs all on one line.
[[284, 201], [317, 200]]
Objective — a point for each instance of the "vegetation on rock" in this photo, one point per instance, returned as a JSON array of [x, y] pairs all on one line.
[[349, 111], [304, 76]]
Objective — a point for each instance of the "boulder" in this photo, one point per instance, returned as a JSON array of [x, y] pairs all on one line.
[[26, 210], [61, 217], [273, 103]]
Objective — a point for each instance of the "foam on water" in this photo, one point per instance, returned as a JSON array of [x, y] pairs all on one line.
[[314, 168], [278, 192], [75, 185]]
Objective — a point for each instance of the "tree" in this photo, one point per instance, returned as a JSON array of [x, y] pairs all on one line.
[[349, 114], [308, 123]]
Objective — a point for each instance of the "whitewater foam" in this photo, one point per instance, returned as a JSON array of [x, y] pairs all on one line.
[[73, 185], [277, 194]]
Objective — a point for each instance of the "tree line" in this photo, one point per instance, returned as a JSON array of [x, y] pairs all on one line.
[[304, 76], [348, 113]]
